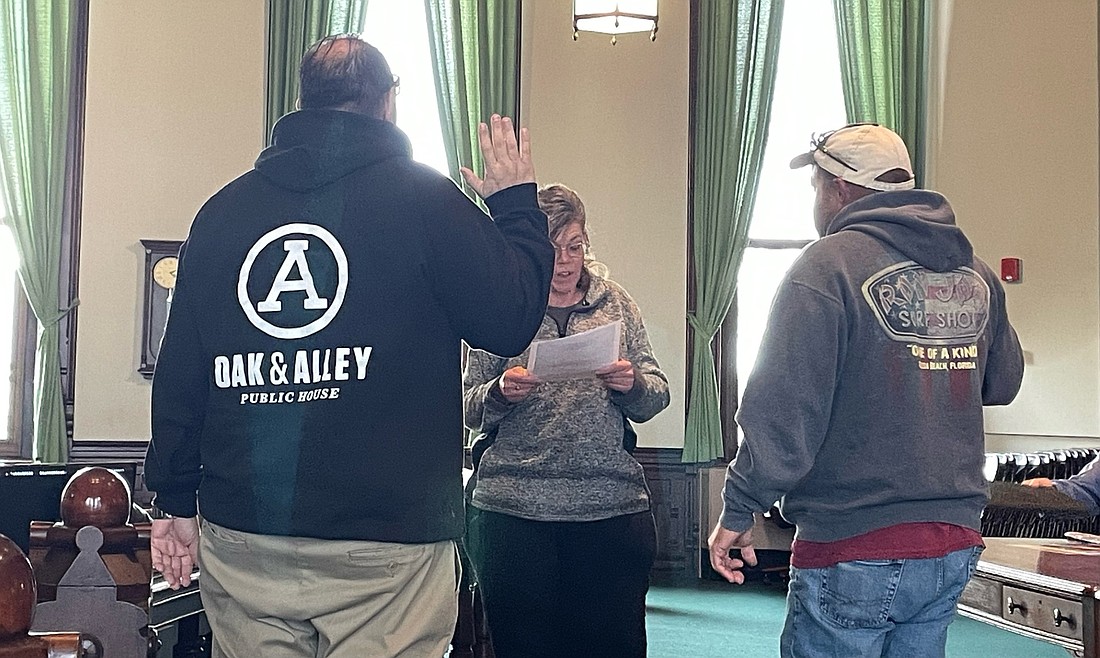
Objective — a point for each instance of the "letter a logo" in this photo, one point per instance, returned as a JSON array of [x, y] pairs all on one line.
[[296, 256], [293, 287]]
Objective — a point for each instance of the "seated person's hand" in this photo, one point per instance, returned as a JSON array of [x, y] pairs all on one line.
[[1038, 482], [618, 376], [516, 384]]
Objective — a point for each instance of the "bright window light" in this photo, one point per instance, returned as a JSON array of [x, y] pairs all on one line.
[[399, 29], [9, 261], [808, 98]]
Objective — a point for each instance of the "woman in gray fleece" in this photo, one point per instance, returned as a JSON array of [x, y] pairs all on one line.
[[561, 533]]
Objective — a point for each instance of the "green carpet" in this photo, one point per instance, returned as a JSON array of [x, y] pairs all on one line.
[[705, 619]]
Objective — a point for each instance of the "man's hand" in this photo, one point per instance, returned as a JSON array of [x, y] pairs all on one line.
[[506, 162], [175, 548], [720, 542]]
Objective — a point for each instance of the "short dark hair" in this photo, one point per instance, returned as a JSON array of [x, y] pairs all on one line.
[[344, 72]]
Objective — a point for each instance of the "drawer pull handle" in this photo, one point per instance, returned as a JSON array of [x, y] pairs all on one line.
[[1013, 606], [1059, 619]]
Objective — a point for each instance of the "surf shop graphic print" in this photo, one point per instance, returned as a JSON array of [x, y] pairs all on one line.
[[938, 315]]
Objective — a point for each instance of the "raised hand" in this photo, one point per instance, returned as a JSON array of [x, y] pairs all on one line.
[[507, 162]]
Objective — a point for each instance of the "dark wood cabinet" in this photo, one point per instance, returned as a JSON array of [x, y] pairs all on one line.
[[1047, 589], [673, 490]]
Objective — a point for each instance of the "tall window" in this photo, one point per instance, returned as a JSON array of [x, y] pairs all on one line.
[[400, 31], [17, 342], [808, 98], [9, 437]]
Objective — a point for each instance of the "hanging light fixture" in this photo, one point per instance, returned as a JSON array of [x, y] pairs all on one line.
[[615, 18]]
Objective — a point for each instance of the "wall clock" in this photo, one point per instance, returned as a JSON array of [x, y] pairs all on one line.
[[161, 257]]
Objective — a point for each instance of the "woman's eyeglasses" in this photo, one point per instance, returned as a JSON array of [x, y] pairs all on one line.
[[572, 250]]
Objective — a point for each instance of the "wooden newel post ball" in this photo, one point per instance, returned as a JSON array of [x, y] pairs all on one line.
[[17, 591], [95, 496]]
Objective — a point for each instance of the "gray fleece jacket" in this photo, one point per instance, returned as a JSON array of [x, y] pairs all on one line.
[[864, 408], [558, 453]]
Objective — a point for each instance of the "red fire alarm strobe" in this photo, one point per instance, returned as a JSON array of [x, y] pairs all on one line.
[[1011, 269]]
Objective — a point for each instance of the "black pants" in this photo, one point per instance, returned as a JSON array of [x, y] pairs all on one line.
[[558, 589]]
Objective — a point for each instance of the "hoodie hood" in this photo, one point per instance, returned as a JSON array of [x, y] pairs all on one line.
[[918, 223], [312, 148]]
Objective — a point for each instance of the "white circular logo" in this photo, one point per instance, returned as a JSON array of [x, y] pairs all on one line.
[[295, 258]]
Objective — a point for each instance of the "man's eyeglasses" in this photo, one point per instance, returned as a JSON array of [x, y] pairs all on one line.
[[396, 85], [572, 250], [818, 142]]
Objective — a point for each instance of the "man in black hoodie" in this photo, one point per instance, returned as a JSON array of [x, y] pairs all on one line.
[[307, 395], [863, 413]]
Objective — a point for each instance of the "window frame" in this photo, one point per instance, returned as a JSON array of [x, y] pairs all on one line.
[[69, 275], [21, 404]]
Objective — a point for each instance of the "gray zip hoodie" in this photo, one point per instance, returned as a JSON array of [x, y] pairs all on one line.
[[864, 408]]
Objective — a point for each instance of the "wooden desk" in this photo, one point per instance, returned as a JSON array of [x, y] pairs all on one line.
[[1045, 589]]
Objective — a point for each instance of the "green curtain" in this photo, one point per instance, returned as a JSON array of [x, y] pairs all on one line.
[[292, 27], [883, 55], [473, 45], [736, 54], [36, 72]]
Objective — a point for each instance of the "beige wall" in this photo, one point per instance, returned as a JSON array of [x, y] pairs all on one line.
[[1014, 147], [611, 122], [174, 111], [167, 127]]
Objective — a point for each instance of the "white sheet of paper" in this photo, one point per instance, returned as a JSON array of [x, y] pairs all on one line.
[[577, 356]]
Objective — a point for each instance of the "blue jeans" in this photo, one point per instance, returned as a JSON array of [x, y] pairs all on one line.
[[887, 608]]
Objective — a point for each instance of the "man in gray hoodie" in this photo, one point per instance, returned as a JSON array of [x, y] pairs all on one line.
[[863, 414]]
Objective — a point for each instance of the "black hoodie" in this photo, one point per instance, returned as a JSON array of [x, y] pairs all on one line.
[[308, 382], [864, 408]]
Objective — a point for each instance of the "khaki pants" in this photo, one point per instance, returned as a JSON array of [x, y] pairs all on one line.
[[275, 597]]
